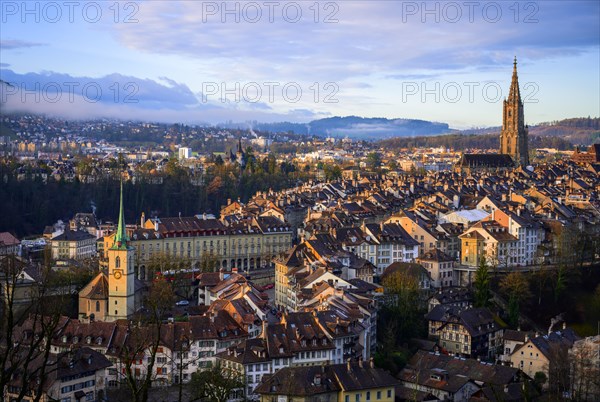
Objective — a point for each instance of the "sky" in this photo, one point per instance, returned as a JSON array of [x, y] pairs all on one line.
[[210, 62]]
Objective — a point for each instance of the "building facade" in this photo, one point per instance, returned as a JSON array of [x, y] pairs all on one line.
[[513, 138]]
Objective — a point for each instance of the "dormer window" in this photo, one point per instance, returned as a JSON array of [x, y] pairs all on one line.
[[88, 340], [64, 339]]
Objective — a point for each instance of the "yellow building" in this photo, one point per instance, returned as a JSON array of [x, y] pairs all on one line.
[[113, 297], [347, 382], [246, 245], [424, 233], [544, 353], [472, 248], [93, 299]]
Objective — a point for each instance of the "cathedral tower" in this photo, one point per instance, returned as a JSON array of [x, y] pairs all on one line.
[[513, 138], [121, 274]]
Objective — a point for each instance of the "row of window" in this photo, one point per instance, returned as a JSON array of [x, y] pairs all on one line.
[[256, 367], [78, 386], [378, 394]]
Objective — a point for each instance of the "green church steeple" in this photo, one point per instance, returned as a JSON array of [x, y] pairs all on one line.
[[121, 237]]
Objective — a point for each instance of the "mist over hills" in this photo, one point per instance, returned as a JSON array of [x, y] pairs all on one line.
[[575, 131], [354, 127]]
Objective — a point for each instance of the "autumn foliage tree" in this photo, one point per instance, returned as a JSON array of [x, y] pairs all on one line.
[[516, 287]]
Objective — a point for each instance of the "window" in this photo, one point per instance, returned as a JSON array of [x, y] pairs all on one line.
[[97, 306], [389, 393], [357, 397], [368, 395], [347, 399], [378, 394]]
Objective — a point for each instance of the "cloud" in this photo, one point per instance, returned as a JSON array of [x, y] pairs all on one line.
[[64, 96], [112, 88], [10, 44], [369, 37]]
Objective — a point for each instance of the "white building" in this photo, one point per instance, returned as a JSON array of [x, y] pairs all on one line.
[[185, 153]]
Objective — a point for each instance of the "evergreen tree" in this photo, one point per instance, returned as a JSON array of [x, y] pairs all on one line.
[[482, 284]]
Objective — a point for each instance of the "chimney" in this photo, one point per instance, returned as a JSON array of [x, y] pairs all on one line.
[[229, 201], [156, 224], [221, 274], [142, 220], [348, 365], [360, 362], [264, 329], [371, 362], [564, 325]]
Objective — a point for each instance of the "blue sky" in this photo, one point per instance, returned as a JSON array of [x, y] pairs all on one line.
[[198, 61]]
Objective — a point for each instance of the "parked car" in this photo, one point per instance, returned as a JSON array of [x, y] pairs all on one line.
[[268, 286], [182, 303]]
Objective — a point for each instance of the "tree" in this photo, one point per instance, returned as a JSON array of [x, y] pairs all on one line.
[[559, 368], [402, 313], [585, 372], [514, 311], [560, 284], [145, 340], [332, 172], [215, 186], [31, 316], [373, 160], [540, 280], [216, 384], [515, 284], [209, 262], [482, 284], [540, 378]]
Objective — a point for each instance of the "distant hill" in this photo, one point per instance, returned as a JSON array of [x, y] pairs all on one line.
[[5, 131], [562, 135], [353, 127], [577, 131], [375, 128], [468, 142]]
